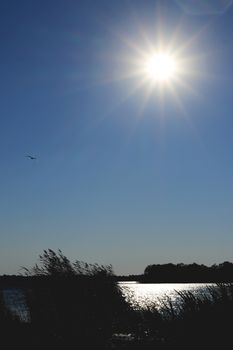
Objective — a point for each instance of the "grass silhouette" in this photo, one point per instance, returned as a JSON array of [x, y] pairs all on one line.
[[80, 306]]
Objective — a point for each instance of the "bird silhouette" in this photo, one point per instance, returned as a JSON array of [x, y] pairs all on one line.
[[31, 157]]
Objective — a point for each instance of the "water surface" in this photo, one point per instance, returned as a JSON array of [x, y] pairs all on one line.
[[148, 294]]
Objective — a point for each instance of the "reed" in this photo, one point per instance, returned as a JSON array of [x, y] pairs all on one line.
[[197, 321], [79, 305]]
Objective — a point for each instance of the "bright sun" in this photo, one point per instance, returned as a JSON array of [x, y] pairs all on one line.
[[157, 65], [160, 67]]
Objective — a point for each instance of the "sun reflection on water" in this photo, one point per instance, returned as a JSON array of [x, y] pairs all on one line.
[[142, 295]]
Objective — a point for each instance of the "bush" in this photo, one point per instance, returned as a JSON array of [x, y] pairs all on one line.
[[74, 302]]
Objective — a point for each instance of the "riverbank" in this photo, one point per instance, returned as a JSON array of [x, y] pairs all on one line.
[[77, 305], [197, 320]]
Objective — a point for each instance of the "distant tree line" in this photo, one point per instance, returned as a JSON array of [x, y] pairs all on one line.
[[55, 264], [162, 273]]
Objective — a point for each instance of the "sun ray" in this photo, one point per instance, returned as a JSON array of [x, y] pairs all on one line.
[[160, 64], [139, 86]]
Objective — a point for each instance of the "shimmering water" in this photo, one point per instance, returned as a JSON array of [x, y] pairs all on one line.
[[141, 295], [15, 300]]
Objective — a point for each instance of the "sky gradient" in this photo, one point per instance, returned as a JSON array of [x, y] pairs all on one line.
[[122, 177]]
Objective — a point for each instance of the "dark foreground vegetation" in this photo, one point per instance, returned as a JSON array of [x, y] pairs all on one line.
[[80, 306]]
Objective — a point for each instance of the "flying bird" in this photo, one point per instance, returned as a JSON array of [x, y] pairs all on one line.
[[31, 157]]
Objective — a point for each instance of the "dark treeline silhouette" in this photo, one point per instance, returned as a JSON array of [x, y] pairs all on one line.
[[155, 273], [188, 273]]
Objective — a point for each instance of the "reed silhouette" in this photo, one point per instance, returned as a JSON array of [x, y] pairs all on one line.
[[80, 306], [196, 322], [74, 303]]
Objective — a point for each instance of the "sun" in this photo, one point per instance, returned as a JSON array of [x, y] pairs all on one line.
[[160, 67], [157, 65]]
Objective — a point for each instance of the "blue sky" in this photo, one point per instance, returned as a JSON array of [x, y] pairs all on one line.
[[118, 179]]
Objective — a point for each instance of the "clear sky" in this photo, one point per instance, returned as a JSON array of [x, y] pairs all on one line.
[[128, 171]]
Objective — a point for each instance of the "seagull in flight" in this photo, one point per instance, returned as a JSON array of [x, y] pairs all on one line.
[[31, 157]]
